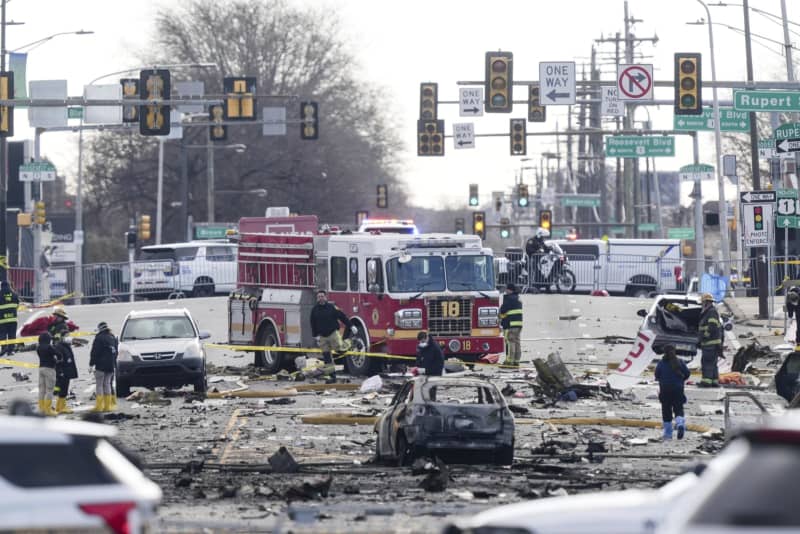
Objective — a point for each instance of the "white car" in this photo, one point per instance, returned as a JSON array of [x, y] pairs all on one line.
[[61, 475], [196, 268], [635, 511], [161, 347]]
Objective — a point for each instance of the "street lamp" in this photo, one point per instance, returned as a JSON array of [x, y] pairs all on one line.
[[723, 209], [43, 40], [259, 192], [78, 239]]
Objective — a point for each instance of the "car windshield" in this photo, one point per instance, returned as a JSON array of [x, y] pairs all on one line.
[[469, 273], [157, 328], [458, 394], [421, 273]]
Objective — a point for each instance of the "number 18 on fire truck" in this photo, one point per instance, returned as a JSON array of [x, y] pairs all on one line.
[[391, 286]]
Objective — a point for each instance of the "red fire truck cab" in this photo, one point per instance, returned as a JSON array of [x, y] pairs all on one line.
[[390, 285]]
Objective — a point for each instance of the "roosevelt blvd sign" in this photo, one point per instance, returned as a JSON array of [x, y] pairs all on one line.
[[640, 146], [730, 120]]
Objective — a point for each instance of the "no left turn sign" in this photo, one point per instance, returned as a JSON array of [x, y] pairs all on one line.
[[635, 82]]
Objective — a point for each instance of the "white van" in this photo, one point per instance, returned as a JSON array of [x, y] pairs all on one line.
[[633, 267]]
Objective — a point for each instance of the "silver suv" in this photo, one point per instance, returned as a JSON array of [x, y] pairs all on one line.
[[161, 348], [196, 268]]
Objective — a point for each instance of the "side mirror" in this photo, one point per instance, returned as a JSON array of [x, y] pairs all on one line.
[[204, 334], [642, 313]]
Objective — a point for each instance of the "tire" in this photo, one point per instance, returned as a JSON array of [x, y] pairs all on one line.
[[639, 292], [270, 361], [361, 365], [565, 281], [201, 384], [123, 389], [203, 287], [504, 455]]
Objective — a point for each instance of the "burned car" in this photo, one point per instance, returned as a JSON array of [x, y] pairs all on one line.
[[448, 417]]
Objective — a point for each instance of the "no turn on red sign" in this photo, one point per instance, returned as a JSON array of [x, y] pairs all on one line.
[[635, 82]]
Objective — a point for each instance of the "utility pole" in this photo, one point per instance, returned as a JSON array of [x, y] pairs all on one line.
[[3, 158]]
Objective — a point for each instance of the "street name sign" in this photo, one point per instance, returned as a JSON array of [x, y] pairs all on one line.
[[74, 112], [730, 120], [581, 201], [470, 102], [680, 233], [766, 148], [647, 227], [611, 104], [701, 171], [464, 135], [766, 100], [38, 171], [635, 82], [640, 146], [787, 138], [557, 83]]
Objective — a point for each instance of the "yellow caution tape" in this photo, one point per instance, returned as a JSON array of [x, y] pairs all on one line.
[[4, 262], [16, 363]]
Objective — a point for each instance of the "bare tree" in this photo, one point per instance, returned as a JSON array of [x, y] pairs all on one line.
[[295, 54]]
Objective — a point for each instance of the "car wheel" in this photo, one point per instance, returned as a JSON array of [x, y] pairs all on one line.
[[123, 388], [201, 384], [640, 292], [360, 364], [203, 287], [504, 455], [269, 360]]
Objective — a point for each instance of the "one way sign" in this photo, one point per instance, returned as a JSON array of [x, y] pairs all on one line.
[[463, 135], [470, 102], [557, 83], [787, 145]]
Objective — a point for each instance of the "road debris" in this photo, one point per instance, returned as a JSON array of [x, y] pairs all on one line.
[[283, 462]]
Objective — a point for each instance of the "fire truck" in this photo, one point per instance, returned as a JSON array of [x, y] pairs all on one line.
[[391, 286]]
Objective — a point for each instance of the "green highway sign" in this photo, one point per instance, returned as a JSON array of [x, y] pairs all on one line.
[[616, 230], [700, 171], [787, 221], [558, 233], [680, 233], [210, 232], [37, 171], [581, 201], [766, 100], [730, 120], [640, 146], [647, 227], [74, 112], [788, 209]]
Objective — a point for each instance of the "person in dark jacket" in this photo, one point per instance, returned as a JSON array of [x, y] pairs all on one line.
[[47, 373], [66, 369], [325, 319], [511, 323], [710, 342], [792, 306], [103, 360], [9, 302], [671, 373], [429, 355]]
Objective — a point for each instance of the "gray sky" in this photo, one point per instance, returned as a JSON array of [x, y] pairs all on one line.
[[400, 44]]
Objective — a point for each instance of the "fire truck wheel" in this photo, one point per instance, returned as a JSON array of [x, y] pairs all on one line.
[[361, 365], [270, 361]]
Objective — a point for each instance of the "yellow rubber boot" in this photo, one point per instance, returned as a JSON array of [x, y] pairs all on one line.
[[61, 406], [111, 403], [99, 403], [41, 407]]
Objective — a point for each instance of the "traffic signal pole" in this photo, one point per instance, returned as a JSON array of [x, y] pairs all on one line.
[[3, 157]]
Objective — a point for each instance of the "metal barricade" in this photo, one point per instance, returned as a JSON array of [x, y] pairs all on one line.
[[106, 282]]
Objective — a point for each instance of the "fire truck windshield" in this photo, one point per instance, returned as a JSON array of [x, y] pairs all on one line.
[[421, 273], [469, 273]]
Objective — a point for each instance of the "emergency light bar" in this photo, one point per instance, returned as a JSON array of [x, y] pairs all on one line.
[[388, 221]]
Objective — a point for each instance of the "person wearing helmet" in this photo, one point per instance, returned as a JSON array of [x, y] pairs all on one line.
[[46, 323], [710, 342], [66, 369], [534, 247]]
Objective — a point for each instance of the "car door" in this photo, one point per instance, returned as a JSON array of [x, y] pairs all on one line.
[[387, 431]]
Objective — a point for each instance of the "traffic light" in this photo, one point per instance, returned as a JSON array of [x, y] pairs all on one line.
[[309, 117], [218, 131], [688, 84], [479, 224], [155, 86], [758, 218], [499, 82], [6, 112], [473, 194], [428, 100], [518, 139], [130, 91], [430, 138], [40, 212], [545, 219], [130, 238], [144, 227], [360, 216], [240, 99], [383, 196], [536, 111], [460, 226], [505, 228], [522, 196]]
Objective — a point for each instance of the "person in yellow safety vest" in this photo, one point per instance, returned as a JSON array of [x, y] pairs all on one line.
[[511, 323], [710, 342], [9, 302]]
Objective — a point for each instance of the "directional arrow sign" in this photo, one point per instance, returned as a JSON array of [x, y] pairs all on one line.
[[470, 102], [758, 197], [464, 135], [787, 145], [730, 120], [640, 146], [557, 83]]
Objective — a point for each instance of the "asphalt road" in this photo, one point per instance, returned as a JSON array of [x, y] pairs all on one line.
[[232, 439]]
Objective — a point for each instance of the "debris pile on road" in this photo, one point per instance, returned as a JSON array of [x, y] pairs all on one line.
[[746, 355]]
